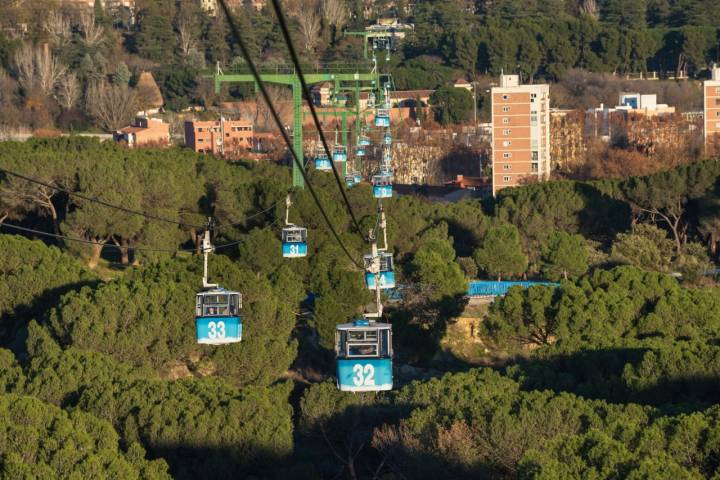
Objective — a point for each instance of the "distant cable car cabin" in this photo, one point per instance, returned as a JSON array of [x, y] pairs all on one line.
[[360, 151], [386, 274], [322, 162], [364, 141], [352, 179], [217, 317], [387, 138], [382, 186], [382, 117], [364, 356], [339, 153], [294, 241]]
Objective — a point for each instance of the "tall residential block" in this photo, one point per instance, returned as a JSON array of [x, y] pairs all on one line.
[[520, 133], [711, 91]]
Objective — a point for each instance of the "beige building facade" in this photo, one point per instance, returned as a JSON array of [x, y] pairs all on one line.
[[711, 94], [520, 133]]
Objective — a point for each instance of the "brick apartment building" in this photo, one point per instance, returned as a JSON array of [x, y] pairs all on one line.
[[221, 137], [711, 93], [520, 134]]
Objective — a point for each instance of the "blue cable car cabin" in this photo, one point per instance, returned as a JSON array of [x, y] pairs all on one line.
[[217, 317], [352, 179], [382, 186], [387, 138], [363, 351], [322, 162], [364, 141], [382, 117], [387, 271], [360, 151], [294, 242], [339, 153]]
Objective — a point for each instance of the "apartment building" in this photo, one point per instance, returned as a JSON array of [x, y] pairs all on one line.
[[221, 137], [520, 133], [711, 93]]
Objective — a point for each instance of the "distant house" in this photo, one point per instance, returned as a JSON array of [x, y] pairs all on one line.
[[144, 132], [461, 82], [223, 137]]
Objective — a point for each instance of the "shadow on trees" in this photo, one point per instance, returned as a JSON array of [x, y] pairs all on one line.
[[419, 328], [13, 333], [616, 375]]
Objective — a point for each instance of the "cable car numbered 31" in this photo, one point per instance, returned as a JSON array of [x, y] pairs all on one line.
[[386, 274], [217, 317], [364, 353], [294, 242], [382, 117]]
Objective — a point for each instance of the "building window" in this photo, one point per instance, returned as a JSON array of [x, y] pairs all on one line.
[[507, 166], [534, 167], [506, 179], [717, 90], [507, 131], [506, 120], [506, 97], [506, 109], [717, 114], [717, 125], [535, 156], [200, 140], [533, 119], [199, 129], [507, 143], [507, 154]]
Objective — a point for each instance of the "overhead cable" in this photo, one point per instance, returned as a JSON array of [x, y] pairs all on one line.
[[263, 90]]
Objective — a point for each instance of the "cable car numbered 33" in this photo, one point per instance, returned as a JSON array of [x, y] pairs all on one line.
[[217, 317], [364, 353], [386, 274], [322, 162], [294, 242]]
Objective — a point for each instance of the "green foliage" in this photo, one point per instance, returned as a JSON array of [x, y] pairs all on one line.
[[433, 267], [565, 256], [42, 441], [501, 253], [33, 275], [646, 247], [147, 319], [452, 105]]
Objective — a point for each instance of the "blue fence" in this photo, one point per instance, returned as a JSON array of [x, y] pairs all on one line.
[[482, 288]]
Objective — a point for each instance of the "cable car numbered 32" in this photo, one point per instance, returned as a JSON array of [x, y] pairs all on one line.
[[386, 274], [364, 353], [217, 317], [294, 242], [382, 186]]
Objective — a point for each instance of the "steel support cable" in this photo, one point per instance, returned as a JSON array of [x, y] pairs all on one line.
[[308, 98], [119, 247], [129, 210], [263, 90]]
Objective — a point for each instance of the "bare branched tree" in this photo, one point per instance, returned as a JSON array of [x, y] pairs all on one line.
[[309, 21], [24, 67], [281, 99], [58, 28], [48, 70], [590, 8], [186, 26], [68, 91], [335, 13], [92, 33], [112, 106]]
